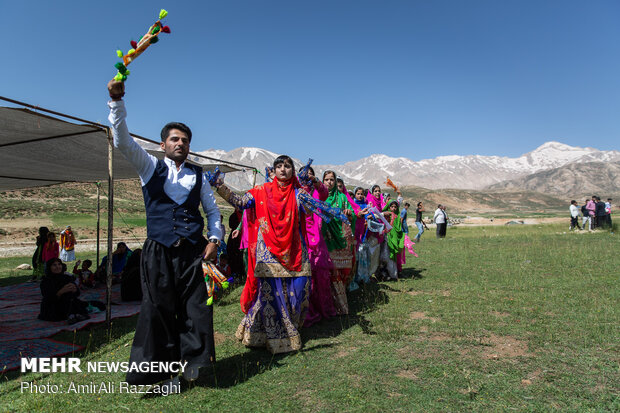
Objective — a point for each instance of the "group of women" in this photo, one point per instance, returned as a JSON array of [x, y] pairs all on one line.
[[308, 242]]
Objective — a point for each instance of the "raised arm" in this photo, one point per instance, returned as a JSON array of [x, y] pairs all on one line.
[[214, 224], [244, 201], [137, 156]]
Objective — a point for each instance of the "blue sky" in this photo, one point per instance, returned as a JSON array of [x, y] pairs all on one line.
[[333, 80]]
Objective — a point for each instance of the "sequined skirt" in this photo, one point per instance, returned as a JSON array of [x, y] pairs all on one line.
[[275, 318]]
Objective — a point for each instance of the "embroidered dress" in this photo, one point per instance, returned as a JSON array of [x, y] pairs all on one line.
[[275, 296], [339, 239]]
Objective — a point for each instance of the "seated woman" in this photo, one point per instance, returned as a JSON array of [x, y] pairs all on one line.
[[60, 294], [119, 260], [275, 296], [131, 286]]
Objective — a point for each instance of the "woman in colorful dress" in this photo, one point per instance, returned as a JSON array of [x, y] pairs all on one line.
[[275, 296], [67, 245], [339, 240], [375, 200], [321, 300], [50, 249], [395, 242]]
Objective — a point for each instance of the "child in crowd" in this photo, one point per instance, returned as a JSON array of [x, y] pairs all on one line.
[[395, 243], [51, 248], [223, 265], [85, 277]]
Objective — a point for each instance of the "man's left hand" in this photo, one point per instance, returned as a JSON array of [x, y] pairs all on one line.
[[210, 253]]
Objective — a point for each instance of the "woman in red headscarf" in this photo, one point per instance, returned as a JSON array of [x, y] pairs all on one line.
[[275, 296]]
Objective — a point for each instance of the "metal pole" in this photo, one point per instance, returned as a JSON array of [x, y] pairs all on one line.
[[108, 315], [98, 219]]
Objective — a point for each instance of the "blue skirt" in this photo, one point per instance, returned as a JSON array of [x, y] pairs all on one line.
[[276, 316]]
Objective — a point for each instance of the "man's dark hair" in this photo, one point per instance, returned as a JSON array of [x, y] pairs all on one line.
[[165, 131], [282, 159], [439, 206], [609, 199], [407, 204], [88, 263], [573, 202]]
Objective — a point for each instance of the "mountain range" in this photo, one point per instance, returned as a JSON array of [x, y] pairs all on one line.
[[453, 171], [572, 180]]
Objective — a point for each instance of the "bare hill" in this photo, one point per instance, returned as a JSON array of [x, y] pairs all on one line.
[[484, 202], [575, 180]]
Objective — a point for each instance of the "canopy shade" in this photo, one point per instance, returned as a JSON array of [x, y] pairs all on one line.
[[38, 150]]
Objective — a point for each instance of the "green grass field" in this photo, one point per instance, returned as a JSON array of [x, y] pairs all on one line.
[[517, 318]]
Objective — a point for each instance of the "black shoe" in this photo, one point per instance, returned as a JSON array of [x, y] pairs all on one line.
[[76, 318]]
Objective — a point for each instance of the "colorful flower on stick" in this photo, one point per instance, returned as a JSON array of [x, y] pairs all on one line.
[[214, 280], [137, 48]]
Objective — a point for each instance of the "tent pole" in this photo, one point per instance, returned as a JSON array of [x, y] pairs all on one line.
[[98, 219], [254, 178], [108, 314]]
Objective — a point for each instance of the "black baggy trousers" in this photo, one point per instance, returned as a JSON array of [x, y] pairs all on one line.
[[175, 324]]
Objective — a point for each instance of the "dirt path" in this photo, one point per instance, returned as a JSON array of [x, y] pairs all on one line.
[[26, 249]]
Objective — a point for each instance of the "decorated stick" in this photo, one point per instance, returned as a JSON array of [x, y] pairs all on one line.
[[214, 280], [137, 48]]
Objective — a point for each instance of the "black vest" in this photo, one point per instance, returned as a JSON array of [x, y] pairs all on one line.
[[167, 221]]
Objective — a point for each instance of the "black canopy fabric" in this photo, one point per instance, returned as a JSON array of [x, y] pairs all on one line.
[[39, 150]]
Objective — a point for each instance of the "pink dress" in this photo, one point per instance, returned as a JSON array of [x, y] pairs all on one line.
[[321, 301], [47, 254]]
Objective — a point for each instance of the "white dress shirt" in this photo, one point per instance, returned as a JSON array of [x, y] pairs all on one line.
[[179, 182]]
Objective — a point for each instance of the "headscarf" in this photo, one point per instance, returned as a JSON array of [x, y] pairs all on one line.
[[378, 203], [276, 216], [332, 231], [360, 223], [350, 200], [42, 238], [48, 266]]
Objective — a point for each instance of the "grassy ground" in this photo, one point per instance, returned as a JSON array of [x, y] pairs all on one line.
[[518, 318]]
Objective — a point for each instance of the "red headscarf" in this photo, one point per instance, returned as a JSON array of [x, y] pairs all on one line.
[[276, 215]]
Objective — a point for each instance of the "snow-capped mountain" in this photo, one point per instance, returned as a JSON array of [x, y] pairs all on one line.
[[255, 157], [467, 172], [453, 171]]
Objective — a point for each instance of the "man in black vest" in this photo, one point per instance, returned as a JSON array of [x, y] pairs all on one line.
[[175, 324]]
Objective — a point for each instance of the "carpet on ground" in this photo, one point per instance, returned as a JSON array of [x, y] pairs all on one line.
[[22, 334]]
